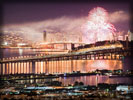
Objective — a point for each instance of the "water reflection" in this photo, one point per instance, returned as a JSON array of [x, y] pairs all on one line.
[[65, 66], [20, 51], [87, 80], [94, 80]]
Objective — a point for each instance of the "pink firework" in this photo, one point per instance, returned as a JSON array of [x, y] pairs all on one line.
[[98, 27]]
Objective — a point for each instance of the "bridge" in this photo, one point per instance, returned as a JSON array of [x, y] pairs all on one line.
[[29, 64]]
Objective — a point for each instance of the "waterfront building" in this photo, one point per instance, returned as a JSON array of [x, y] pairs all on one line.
[[125, 88]]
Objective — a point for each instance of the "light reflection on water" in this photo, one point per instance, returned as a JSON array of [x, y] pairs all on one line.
[[87, 80], [20, 52], [94, 80], [65, 66]]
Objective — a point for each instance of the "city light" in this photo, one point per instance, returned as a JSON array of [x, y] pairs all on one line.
[[5, 43], [21, 44]]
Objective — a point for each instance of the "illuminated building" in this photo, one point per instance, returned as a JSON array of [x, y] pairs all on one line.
[[130, 35], [120, 38], [124, 88]]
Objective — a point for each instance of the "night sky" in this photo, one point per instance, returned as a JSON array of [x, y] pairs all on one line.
[[29, 12], [60, 16]]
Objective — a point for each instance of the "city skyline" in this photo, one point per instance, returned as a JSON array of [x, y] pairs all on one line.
[[64, 18]]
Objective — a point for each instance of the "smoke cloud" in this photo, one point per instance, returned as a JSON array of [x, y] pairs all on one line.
[[58, 29], [118, 16]]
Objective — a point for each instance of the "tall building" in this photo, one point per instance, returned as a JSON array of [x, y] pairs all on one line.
[[127, 40], [130, 35], [44, 36]]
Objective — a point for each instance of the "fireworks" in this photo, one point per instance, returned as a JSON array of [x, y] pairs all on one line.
[[98, 27]]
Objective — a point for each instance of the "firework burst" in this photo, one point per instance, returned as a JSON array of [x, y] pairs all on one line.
[[98, 27]]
